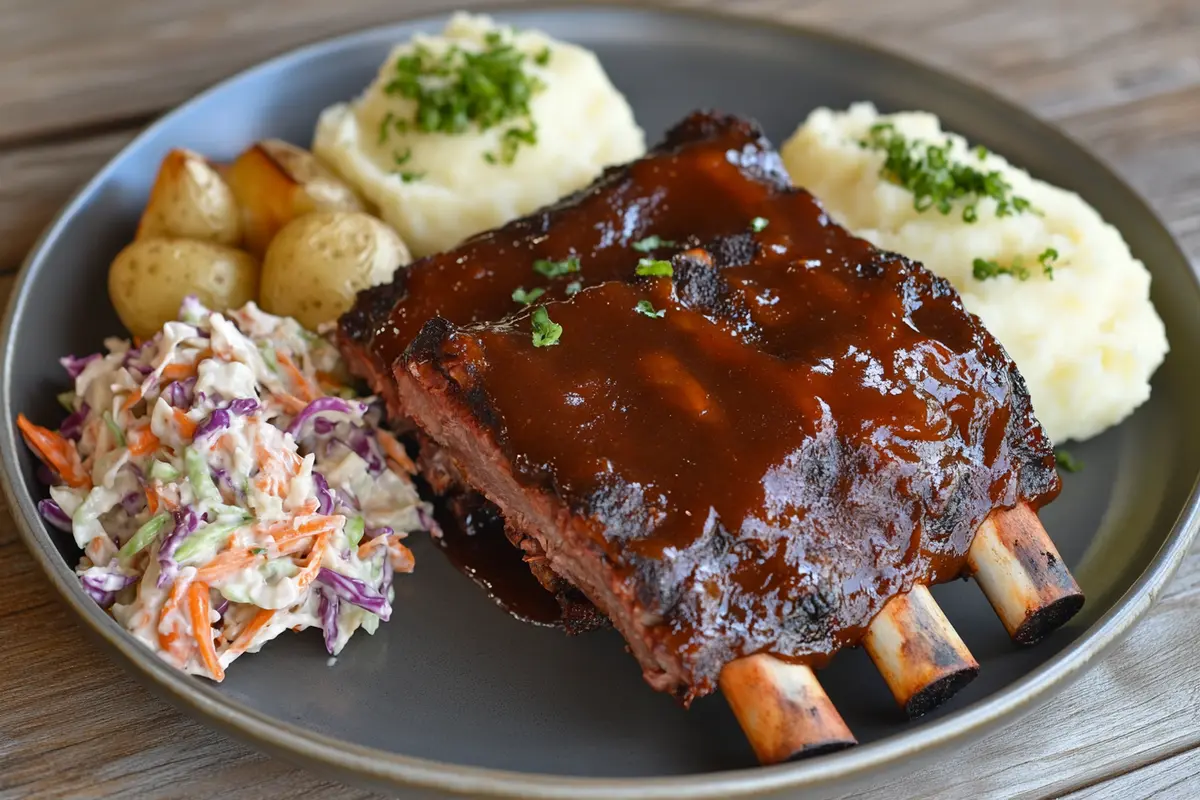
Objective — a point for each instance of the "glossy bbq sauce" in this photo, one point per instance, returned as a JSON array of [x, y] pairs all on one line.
[[473, 540]]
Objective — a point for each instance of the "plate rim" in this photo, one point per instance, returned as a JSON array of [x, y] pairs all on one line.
[[356, 762]]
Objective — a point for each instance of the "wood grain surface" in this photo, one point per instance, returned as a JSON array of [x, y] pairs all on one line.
[[78, 78]]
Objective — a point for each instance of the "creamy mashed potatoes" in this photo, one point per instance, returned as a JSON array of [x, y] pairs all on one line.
[[1083, 332], [437, 188]]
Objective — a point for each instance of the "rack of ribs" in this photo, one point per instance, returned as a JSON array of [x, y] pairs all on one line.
[[774, 467]]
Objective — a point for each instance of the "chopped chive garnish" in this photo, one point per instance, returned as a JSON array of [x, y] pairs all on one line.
[[1067, 461], [652, 243], [655, 267], [523, 297], [647, 308], [556, 269], [546, 332]]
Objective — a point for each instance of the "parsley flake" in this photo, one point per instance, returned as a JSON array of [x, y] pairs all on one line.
[[457, 89], [652, 243], [556, 269], [546, 332], [936, 180], [1067, 461], [983, 268], [1047, 258], [543, 57], [759, 224], [573, 288], [647, 308], [655, 267], [523, 297]]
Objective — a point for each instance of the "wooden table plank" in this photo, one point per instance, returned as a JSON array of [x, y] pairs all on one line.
[[1173, 778], [1122, 76], [92, 66]]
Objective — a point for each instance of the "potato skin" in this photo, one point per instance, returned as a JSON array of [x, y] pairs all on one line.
[[318, 263], [149, 279], [275, 182], [191, 200]]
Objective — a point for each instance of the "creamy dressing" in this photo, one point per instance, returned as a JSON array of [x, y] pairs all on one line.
[[229, 468]]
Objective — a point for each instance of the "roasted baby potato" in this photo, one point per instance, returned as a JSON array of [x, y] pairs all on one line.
[[320, 261], [275, 182], [190, 199], [149, 279]]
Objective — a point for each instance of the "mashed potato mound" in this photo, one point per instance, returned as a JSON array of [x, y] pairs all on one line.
[[583, 125], [1086, 340]]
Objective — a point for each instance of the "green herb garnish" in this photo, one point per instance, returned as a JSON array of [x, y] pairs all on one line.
[[510, 142], [1067, 461], [983, 268], [759, 224], [647, 308], [457, 89], [543, 57], [409, 177], [385, 127], [652, 243], [655, 267], [936, 180], [573, 288], [523, 297], [546, 332], [556, 269], [1047, 258]]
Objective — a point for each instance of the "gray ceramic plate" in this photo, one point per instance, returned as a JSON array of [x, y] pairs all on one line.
[[454, 694]]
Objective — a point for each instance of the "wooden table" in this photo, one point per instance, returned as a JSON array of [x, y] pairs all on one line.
[[78, 78]]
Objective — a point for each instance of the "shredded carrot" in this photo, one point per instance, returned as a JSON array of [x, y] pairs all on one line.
[[132, 400], [310, 570], [187, 428], [59, 453], [247, 634], [138, 341], [403, 559], [290, 403], [168, 641], [200, 608], [177, 372], [151, 499], [141, 441], [364, 549], [304, 386], [227, 563], [395, 452]]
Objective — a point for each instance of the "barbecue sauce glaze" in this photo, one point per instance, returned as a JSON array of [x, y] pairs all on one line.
[[811, 427]]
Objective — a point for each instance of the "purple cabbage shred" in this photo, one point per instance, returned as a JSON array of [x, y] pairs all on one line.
[[186, 523], [327, 606], [322, 405], [72, 426], [324, 495], [52, 512], [74, 366], [355, 591]]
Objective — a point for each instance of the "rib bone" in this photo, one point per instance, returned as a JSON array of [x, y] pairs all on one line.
[[1022, 574], [783, 709]]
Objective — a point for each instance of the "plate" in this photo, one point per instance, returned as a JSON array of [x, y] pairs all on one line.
[[452, 694]]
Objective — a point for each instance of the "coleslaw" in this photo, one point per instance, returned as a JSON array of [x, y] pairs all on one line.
[[225, 486]]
